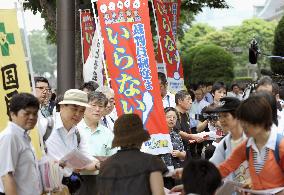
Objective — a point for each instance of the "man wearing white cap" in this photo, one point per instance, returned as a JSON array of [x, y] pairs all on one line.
[[65, 136]]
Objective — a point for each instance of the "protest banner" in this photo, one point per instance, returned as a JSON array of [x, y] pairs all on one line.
[[173, 12], [132, 68], [87, 32], [92, 49], [167, 49], [14, 77]]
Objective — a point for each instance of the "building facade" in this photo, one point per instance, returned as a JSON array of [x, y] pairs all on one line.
[[269, 10]]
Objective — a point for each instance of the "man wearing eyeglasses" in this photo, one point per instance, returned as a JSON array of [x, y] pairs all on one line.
[[45, 122], [110, 114], [42, 89]]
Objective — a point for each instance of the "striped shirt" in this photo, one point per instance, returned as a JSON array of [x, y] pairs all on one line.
[[259, 159], [260, 156]]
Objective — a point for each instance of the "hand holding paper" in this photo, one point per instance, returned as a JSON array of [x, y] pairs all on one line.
[[76, 160]]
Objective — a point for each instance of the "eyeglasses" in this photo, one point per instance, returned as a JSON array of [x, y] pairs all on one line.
[[43, 88]]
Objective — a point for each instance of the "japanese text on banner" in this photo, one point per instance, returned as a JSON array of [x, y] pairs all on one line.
[[14, 76], [131, 63], [168, 48]]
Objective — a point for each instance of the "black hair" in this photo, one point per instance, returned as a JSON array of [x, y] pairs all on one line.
[[59, 98], [233, 85], [162, 77], [168, 109], [192, 95], [180, 95], [40, 79], [256, 110], [281, 92], [218, 85], [201, 177], [272, 102], [53, 97], [99, 97], [208, 84], [90, 86], [22, 101]]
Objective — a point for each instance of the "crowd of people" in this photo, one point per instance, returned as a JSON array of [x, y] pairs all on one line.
[[217, 135]]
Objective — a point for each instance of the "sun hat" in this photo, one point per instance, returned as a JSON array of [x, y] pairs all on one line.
[[227, 104], [76, 97], [128, 130]]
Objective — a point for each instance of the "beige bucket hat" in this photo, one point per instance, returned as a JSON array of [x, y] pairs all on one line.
[[76, 97]]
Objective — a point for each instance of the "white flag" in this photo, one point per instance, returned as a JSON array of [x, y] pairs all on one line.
[[93, 68]]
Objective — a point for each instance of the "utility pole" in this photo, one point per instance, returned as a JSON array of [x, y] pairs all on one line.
[[65, 45]]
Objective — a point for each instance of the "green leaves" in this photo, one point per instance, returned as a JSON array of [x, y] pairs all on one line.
[[235, 40], [277, 65], [43, 54]]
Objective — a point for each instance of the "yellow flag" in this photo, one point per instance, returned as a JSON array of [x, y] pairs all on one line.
[[14, 76]]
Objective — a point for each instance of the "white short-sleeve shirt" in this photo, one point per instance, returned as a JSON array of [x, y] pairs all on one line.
[[61, 141], [17, 156]]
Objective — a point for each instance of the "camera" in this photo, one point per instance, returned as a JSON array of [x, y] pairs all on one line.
[[206, 116]]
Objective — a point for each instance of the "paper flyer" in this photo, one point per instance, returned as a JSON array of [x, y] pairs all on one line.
[[76, 160]]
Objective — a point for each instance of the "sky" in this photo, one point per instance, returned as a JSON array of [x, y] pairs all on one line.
[[37, 22], [239, 10]]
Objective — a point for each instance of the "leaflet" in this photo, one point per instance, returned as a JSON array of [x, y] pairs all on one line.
[[266, 192], [76, 160], [229, 187]]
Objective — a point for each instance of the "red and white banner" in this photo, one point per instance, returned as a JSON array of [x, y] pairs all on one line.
[[87, 32], [173, 12], [92, 49], [167, 50], [131, 63]]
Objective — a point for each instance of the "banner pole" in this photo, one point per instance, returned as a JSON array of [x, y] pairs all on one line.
[[98, 29], [82, 39], [28, 58], [159, 37]]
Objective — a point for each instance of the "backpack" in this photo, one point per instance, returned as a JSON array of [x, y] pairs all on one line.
[[48, 129], [48, 133], [275, 152]]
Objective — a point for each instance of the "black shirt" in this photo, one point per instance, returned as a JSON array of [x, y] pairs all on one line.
[[128, 172], [183, 124]]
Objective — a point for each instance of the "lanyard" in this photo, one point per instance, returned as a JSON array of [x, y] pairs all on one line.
[[63, 140]]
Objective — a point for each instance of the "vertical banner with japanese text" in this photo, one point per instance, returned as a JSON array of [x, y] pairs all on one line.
[[168, 49], [92, 49], [14, 76], [173, 12], [131, 63], [87, 31]]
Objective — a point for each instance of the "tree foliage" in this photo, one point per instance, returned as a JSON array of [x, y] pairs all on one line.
[[259, 29], [208, 63], [220, 38], [194, 35], [234, 39], [277, 65], [43, 54]]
